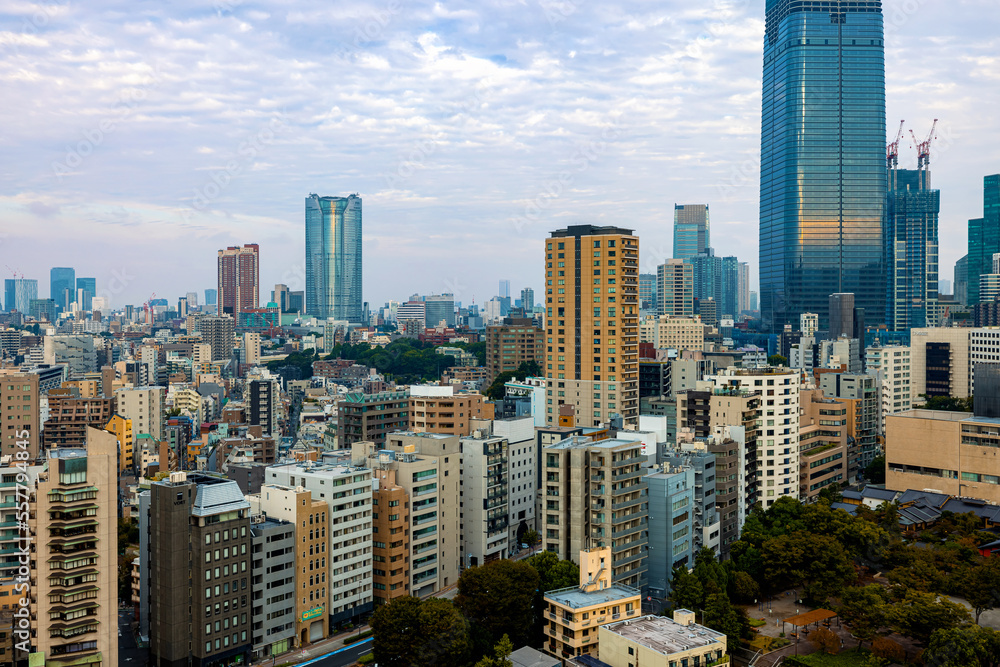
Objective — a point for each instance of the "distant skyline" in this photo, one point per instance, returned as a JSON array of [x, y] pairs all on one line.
[[142, 138]]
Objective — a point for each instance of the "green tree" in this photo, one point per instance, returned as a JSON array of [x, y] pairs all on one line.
[[966, 646], [777, 360], [497, 390], [501, 657], [553, 574], [408, 632], [686, 591], [864, 610], [875, 471], [946, 403], [720, 615], [979, 584], [818, 563], [891, 650], [919, 614], [710, 572], [742, 587], [531, 537], [497, 599]]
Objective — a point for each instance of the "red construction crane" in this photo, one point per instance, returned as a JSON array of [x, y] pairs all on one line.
[[924, 147], [149, 311], [892, 150]]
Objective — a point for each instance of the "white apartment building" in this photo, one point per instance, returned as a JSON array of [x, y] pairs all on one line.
[[777, 446], [347, 491], [891, 365], [523, 455], [485, 508], [146, 407], [670, 332]]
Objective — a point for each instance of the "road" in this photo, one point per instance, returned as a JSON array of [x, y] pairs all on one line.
[[342, 656], [129, 655]]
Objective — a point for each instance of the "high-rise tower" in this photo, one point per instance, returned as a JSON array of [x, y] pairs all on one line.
[[691, 232], [823, 175], [592, 323], [62, 286], [333, 257], [239, 279]]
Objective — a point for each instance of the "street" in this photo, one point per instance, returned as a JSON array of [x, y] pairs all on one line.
[[342, 656], [129, 655]]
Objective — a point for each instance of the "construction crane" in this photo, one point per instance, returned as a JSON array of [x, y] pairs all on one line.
[[149, 310], [924, 147], [892, 150]]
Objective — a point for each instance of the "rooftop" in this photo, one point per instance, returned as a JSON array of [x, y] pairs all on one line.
[[590, 230], [580, 442], [664, 635], [575, 597]]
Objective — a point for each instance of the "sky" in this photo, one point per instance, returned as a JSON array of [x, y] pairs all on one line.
[[138, 138]]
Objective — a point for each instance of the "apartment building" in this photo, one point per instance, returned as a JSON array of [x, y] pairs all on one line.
[[122, 428], [263, 398], [19, 400], [823, 453], [891, 365], [574, 614], [220, 334], [512, 343], [864, 412], [592, 324], [485, 499], [71, 416], [310, 516], [371, 417], [273, 593], [75, 562], [146, 407], [347, 492], [671, 502], [521, 480], [774, 461], [435, 409], [427, 469], [198, 571], [593, 494], [658, 641], [673, 332], [706, 526]]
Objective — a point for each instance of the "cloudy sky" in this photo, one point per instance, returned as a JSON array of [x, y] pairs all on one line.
[[140, 137]]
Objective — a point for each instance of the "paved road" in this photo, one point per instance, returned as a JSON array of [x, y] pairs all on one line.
[[129, 655], [342, 656]]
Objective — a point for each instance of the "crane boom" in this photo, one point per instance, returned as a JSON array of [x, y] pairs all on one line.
[[924, 147], [892, 150]]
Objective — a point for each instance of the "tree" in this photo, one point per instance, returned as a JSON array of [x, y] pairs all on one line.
[[720, 615], [710, 572], [553, 574], [965, 646], [818, 563], [886, 648], [497, 389], [742, 587], [919, 615], [686, 591], [875, 471], [497, 599], [408, 632], [531, 537], [825, 640], [979, 585], [777, 360], [502, 655], [864, 610], [946, 403]]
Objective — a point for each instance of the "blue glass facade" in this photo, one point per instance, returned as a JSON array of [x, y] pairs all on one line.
[[691, 230], [89, 287], [61, 279], [984, 237], [823, 174], [333, 258], [911, 249]]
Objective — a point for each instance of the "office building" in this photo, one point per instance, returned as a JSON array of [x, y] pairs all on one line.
[[239, 279], [146, 407], [439, 309], [74, 583], [220, 334], [21, 429], [413, 310], [211, 297], [272, 567], [822, 197], [43, 310], [528, 300], [911, 246], [671, 499], [809, 324], [75, 350], [742, 288], [672, 332], [523, 458], [775, 454], [310, 516], [984, 238], [891, 366], [418, 548], [333, 258], [574, 614], [691, 230], [19, 293], [658, 641], [199, 577], [939, 362], [593, 495], [347, 492], [592, 318], [708, 311], [841, 315], [843, 353], [512, 343], [647, 291], [86, 290], [675, 288], [962, 281], [262, 400], [62, 286], [371, 417], [716, 278], [251, 348]]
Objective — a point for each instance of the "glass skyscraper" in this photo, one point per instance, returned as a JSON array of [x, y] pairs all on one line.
[[984, 237], [691, 230], [89, 287], [18, 293], [61, 279], [911, 249], [823, 172], [333, 258]]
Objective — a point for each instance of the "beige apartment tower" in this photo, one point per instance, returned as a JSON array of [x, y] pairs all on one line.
[[592, 324]]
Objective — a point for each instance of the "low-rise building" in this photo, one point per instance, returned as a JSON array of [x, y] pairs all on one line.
[[272, 568], [435, 409], [658, 641]]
